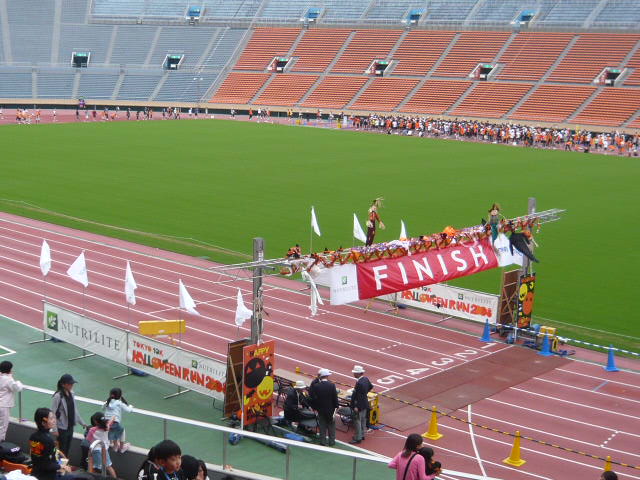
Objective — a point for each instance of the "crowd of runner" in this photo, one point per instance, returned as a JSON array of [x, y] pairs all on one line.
[[568, 139]]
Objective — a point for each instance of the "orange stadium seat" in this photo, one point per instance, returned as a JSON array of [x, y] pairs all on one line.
[[612, 106], [334, 92], [286, 89], [265, 44], [364, 48], [634, 62], [530, 55], [419, 51], [590, 54], [384, 94], [553, 103], [239, 87], [470, 49], [317, 49], [436, 96], [491, 99]]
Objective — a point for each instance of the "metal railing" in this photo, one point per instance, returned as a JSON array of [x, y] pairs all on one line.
[[354, 459]]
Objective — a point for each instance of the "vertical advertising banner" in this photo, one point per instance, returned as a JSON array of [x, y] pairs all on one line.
[[526, 296], [259, 367]]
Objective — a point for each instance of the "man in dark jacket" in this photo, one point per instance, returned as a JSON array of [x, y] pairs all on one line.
[[360, 403], [324, 398]]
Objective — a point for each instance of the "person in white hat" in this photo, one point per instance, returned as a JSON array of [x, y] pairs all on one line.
[[360, 403], [296, 400], [324, 398]]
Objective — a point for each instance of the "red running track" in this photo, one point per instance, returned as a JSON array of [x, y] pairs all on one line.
[[579, 406]]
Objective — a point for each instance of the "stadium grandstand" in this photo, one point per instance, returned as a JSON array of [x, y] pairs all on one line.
[[540, 61]]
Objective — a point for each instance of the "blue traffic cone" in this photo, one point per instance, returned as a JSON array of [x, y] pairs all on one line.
[[611, 361], [546, 350], [486, 333]]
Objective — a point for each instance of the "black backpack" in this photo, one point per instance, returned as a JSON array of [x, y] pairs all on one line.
[[12, 453]]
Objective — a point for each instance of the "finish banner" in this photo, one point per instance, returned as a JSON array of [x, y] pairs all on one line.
[[453, 301], [390, 275]]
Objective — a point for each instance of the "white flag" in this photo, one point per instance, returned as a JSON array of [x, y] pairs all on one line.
[[357, 230], [78, 271], [186, 302], [314, 222], [130, 286], [403, 231], [45, 258], [242, 312], [315, 295]]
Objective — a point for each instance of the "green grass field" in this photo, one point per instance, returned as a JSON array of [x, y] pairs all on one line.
[[224, 182]]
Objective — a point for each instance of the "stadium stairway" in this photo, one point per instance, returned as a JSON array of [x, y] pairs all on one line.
[[586, 103], [461, 98], [436, 96], [566, 99], [491, 99], [413, 59], [334, 92], [612, 106], [364, 87]]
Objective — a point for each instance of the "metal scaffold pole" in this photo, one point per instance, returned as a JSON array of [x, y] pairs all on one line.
[[256, 320]]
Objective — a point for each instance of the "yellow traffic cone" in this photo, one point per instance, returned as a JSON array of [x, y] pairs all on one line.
[[432, 433], [514, 459], [607, 464], [297, 369]]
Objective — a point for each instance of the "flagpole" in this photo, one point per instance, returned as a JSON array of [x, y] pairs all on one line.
[[128, 317], [84, 305]]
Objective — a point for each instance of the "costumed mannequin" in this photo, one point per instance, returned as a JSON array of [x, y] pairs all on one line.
[[494, 220], [521, 243], [373, 217]]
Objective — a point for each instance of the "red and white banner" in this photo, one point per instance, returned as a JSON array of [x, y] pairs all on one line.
[[390, 275]]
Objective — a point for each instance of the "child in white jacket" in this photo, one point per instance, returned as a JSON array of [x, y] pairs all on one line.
[[113, 408], [8, 388]]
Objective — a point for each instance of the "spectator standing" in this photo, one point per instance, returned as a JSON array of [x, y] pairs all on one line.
[[360, 403], [113, 408], [324, 398], [8, 388], [408, 464], [66, 412]]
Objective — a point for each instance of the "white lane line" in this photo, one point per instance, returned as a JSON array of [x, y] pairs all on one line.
[[522, 426], [609, 439], [596, 377], [473, 441], [617, 397], [572, 403], [551, 417]]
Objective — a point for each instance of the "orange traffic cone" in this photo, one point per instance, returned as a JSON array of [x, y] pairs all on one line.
[[432, 433], [514, 459]]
